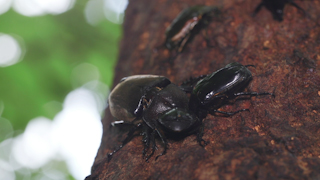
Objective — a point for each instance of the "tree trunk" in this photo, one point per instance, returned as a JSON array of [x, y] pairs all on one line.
[[278, 139]]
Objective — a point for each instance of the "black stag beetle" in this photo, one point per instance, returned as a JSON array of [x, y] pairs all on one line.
[[154, 105]]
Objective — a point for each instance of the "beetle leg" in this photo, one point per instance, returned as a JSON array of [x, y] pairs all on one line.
[[186, 88], [250, 65], [188, 85], [114, 123], [303, 11], [258, 8], [201, 141], [117, 123], [253, 94], [154, 147], [183, 43], [228, 113], [146, 140], [122, 122], [126, 140], [297, 6], [164, 141]]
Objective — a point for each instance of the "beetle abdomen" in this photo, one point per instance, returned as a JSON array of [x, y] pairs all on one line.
[[222, 82]]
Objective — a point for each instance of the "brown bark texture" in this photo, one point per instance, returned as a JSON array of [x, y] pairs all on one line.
[[278, 139]]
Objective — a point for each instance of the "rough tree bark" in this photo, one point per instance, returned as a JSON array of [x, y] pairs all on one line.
[[278, 139]]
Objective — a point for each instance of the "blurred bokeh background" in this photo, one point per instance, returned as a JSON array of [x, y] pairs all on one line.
[[56, 66]]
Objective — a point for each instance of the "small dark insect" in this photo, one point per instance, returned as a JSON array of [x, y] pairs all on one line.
[[216, 89], [276, 7], [187, 24], [155, 105], [307, 62]]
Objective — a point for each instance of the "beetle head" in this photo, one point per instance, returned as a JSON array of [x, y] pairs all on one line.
[[177, 120]]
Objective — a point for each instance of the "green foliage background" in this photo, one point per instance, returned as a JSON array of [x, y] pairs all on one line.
[[54, 46]]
